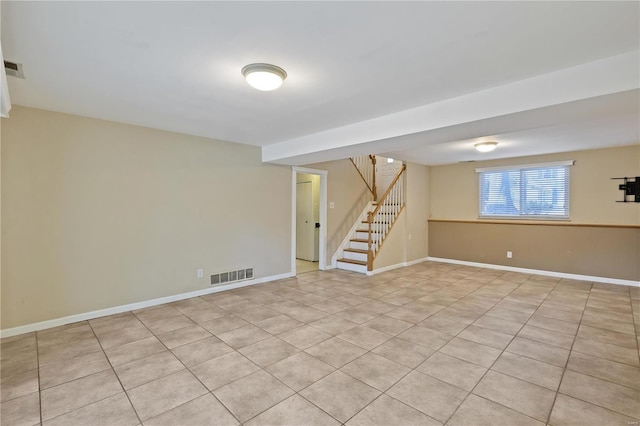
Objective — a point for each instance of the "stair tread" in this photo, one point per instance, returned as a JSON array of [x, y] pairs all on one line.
[[358, 240], [355, 262], [356, 250]]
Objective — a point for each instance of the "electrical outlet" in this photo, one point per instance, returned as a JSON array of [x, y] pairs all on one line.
[[200, 273], [332, 205], [409, 237], [509, 255]]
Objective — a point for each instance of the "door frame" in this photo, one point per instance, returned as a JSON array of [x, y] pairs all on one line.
[[322, 237]]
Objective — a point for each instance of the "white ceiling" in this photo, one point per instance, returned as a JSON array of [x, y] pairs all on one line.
[[417, 80]]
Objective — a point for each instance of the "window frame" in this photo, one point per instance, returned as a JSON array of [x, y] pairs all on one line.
[[520, 168]]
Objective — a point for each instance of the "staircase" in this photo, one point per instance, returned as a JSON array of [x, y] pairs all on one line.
[[375, 222]]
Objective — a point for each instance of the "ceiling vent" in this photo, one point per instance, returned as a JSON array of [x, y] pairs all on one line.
[[13, 69]]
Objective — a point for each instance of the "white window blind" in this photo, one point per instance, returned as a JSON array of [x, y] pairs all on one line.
[[539, 191]]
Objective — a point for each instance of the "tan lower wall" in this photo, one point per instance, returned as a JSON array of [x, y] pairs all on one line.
[[611, 252]]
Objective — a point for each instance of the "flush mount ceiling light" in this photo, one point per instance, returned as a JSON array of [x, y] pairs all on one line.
[[486, 146], [264, 77]]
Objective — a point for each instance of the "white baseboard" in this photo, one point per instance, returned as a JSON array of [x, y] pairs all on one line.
[[539, 272], [43, 325], [396, 266]]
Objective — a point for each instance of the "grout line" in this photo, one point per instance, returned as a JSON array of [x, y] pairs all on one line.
[[502, 352]]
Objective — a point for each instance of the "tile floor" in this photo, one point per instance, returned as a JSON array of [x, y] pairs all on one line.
[[430, 344], [303, 266]]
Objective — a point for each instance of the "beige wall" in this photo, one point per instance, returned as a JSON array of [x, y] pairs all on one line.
[[97, 214], [349, 195], [581, 246], [454, 188]]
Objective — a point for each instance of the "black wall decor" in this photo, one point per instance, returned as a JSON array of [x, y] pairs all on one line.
[[631, 189]]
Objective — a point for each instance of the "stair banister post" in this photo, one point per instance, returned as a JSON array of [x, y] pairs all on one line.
[[375, 189], [369, 243]]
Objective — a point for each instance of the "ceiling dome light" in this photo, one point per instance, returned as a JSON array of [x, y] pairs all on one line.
[[264, 77], [486, 146]]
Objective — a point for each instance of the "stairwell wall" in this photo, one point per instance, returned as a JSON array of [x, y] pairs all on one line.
[[97, 214], [408, 240], [349, 195]]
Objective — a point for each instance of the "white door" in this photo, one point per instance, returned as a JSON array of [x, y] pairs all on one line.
[[305, 226]]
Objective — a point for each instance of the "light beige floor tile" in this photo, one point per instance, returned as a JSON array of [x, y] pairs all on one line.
[[163, 394], [524, 397], [331, 306], [304, 337], [119, 355], [244, 336], [67, 351], [294, 410], [23, 411], [204, 410], [300, 370], [608, 324], [201, 350], [498, 324], [388, 325], [599, 392], [258, 314], [568, 411], [123, 336], [70, 396], [64, 335], [268, 351], [357, 315], [340, 395], [111, 323], [477, 411], [485, 336], [365, 337], [546, 336], [17, 385], [375, 371], [278, 324], [412, 316], [539, 351], [433, 397], [306, 314], [336, 352], [607, 336], [113, 411], [67, 370], [252, 394], [222, 370], [536, 372], [155, 312], [333, 325], [471, 351], [444, 324], [601, 368], [454, 371], [403, 352], [509, 315], [573, 317], [607, 351], [183, 336], [147, 369], [425, 337], [223, 324], [553, 324], [386, 411]]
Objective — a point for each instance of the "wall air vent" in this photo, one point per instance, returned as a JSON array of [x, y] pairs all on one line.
[[13, 69], [231, 276]]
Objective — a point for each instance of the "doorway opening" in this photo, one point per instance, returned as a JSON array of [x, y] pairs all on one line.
[[309, 204]]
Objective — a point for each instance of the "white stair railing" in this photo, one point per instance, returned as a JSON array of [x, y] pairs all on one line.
[[381, 220], [366, 167]]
